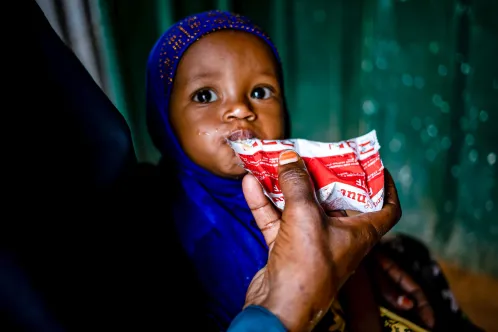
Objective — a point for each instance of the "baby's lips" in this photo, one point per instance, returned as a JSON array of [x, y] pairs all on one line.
[[241, 134]]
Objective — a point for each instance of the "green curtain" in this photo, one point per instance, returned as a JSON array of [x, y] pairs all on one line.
[[423, 73]]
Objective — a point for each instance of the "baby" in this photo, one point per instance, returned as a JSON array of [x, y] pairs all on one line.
[[211, 77]]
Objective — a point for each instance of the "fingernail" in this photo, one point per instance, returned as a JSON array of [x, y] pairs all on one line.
[[287, 157], [404, 302]]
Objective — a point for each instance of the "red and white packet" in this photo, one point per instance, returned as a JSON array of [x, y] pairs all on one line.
[[347, 175]]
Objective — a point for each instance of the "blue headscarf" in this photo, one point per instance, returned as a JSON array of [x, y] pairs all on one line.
[[213, 221]]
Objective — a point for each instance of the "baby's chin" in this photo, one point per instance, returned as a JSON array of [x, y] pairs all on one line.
[[233, 169], [236, 171], [238, 175]]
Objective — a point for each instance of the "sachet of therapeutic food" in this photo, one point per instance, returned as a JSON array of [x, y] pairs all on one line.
[[347, 175]]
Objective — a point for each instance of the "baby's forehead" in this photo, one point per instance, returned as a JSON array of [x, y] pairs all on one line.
[[229, 45]]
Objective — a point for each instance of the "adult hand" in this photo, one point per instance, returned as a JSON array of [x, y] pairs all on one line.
[[399, 289], [311, 254]]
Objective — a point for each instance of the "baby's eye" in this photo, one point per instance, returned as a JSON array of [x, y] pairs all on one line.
[[205, 96], [261, 93]]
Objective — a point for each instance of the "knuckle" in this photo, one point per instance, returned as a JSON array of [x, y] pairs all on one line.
[[371, 231], [294, 174]]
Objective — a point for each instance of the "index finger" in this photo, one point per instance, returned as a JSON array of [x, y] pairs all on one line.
[[389, 215], [381, 221], [391, 198]]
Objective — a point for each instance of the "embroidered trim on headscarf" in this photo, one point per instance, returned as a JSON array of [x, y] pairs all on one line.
[[189, 30]]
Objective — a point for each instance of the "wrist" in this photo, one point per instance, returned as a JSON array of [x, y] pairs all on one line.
[[293, 317], [256, 316], [296, 314]]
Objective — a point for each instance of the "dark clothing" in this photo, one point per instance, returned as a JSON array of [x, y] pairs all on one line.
[[81, 246], [414, 257]]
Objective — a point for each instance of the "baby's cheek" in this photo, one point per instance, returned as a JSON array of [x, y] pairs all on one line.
[[226, 163], [274, 132], [195, 147], [273, 126], [208, 151]]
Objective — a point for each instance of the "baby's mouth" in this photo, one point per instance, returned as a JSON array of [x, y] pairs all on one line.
[[240, 135]]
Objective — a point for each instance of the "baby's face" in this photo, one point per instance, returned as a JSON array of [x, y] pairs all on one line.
[[226, 87]]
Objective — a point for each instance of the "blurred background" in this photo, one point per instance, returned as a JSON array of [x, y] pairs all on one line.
[[423, 73]]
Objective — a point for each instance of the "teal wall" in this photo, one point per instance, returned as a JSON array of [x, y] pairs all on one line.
[[423, 73]]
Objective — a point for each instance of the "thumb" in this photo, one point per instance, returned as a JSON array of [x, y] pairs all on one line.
[[265, 214], [296, 186]]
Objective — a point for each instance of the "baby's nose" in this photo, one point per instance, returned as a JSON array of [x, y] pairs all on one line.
[[239, 111]]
